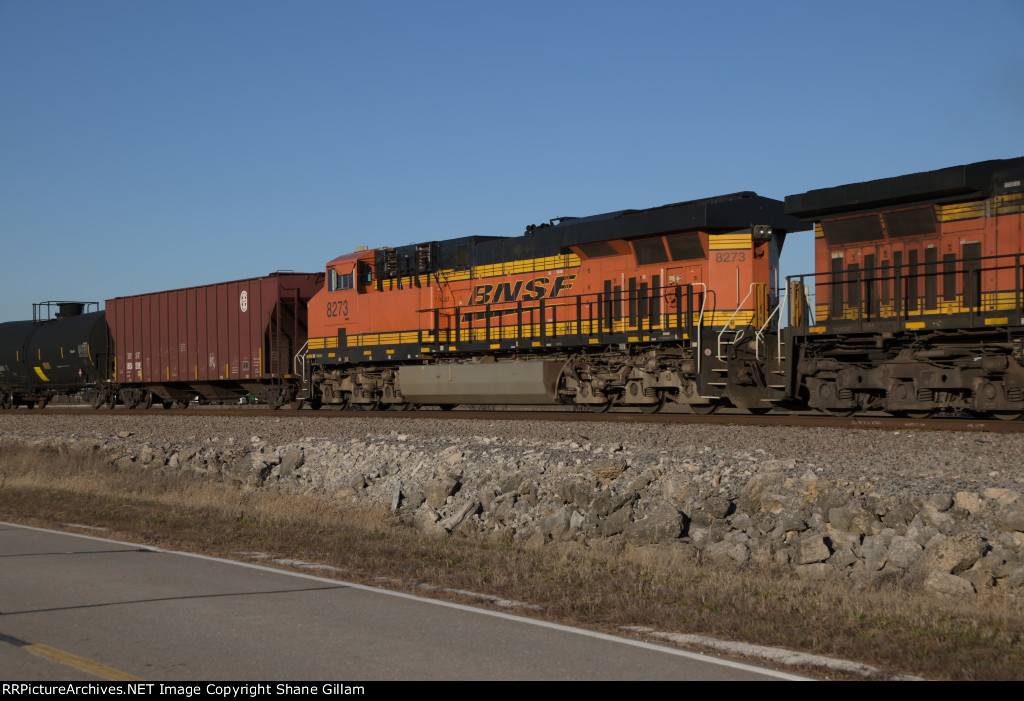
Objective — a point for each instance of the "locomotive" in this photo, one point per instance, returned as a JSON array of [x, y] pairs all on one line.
[[637, 308], [918, 305], [914, 308]]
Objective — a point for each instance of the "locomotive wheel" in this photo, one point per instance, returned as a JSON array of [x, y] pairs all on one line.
[[704, 409], [181, 404], [133, 402], [841, 413], [166, 405], [346, 402], [1008, 415], [297, 404], [654, 408], [759, 410], [918, 415], [41, 403], [109, 401], [601, 408], [147, 401], [446, 407], [6, 401], [315, 404]]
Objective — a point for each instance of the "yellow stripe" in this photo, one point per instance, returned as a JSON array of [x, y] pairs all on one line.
[[915, 324], [731, 241], [516, 267], [88, 666], [996, 322], [39, 371], [967, 210]]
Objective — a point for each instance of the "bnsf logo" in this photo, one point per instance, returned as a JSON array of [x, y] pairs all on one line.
[[537, 288]]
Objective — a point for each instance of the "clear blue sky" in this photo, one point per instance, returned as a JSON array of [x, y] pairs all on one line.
[[154, 145]]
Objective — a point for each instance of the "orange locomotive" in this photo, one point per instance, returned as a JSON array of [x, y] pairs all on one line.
[[632, 308], [918, 285]]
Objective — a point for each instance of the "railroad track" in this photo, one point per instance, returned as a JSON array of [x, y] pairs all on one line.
[[877, 422]]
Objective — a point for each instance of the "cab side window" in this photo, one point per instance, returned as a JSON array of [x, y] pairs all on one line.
[[339, 282]]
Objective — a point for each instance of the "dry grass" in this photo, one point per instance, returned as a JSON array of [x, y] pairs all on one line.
[[606, 588]]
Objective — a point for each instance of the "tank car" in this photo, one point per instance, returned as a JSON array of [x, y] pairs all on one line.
[[62, 350], [917, 302], [640, 308]]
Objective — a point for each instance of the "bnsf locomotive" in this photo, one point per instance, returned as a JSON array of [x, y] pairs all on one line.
[[918, 294], [632, 308], [914, 307]]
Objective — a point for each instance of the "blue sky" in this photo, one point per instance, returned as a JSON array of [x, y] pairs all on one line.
[[153, 145]]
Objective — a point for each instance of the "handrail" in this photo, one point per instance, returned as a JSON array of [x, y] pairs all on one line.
[[726, 326], [809, 304], [700, 324], [759, 333], [300, 361]]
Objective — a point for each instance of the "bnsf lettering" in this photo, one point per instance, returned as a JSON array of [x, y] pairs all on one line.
[[537, 288]]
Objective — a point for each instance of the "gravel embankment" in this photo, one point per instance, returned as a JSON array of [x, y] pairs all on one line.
[[893, 463], [868, 503]]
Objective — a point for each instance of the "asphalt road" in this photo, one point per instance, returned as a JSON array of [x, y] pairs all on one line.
[[79, 608]]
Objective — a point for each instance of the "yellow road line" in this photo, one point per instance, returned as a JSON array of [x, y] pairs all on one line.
[[66, 658]]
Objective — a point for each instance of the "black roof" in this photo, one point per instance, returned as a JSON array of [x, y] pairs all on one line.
[[722, 214], [963, 182]]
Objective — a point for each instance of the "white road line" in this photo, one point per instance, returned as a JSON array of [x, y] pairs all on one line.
[[459, 607]]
